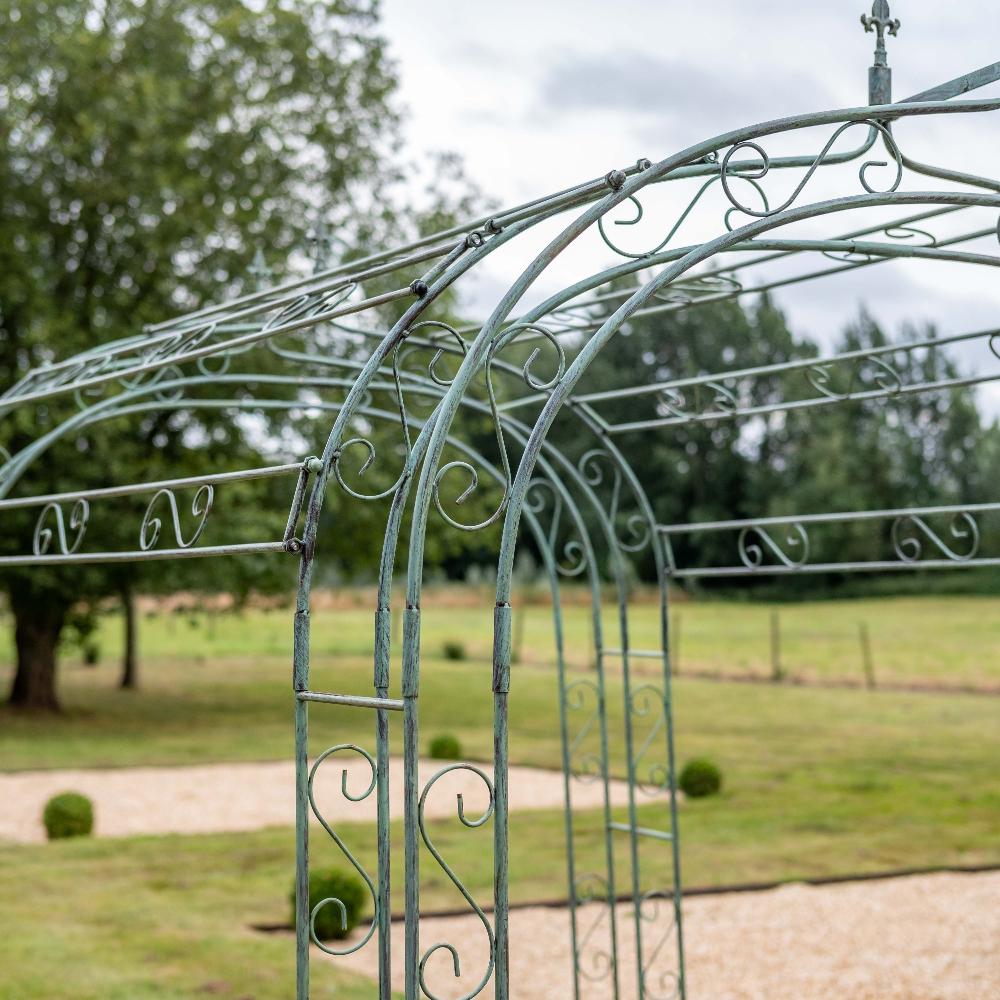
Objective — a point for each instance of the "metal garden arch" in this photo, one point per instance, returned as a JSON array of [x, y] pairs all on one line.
[[336, 344]]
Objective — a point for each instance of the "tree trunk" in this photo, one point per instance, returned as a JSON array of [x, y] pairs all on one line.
[[130, 666], [37, 627]]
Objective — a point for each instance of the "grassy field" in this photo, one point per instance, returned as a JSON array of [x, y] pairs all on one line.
[[920, 641], [818, 781]]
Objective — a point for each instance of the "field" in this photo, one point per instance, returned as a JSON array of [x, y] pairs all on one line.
[[818, 780]]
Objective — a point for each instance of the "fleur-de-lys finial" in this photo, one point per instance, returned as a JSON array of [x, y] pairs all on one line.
[[880, 22], [879, 74]]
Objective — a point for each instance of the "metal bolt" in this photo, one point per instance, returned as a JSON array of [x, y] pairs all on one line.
[[615, 179]]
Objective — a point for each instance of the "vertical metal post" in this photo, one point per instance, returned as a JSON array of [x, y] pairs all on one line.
[[300, 682], [675, 837], [411, 798], [557, 626], [501, 689], [675, 643], [383, 626], [633, 816]]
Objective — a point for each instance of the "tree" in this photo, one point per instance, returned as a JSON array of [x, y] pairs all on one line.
[[147, 150]]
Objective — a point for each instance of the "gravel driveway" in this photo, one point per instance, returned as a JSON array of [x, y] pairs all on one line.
[[926, 937], [212, 798]]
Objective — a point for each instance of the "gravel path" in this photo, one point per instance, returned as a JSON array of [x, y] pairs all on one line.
[[213, 798], [927, 937]]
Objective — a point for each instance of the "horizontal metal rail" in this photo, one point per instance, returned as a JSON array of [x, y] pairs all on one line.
[[834, 517], [214, 479], [960, 85], [642, 654], [59, 559], [351, 700], [799, 364], [878, 566], [642, 831]]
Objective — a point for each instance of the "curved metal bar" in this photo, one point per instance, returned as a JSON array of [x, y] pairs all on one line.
[[201, 507], [430, 288], [411, 614], [196, 338], [447, 869], [77, 522], [621, 189], [358, 867]]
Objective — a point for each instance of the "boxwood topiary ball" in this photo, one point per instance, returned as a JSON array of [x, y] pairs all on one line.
[[332, 883], [68, 815], [445, 747], [699, 778]]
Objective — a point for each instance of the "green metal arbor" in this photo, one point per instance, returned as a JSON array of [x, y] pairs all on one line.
[[340, 345]]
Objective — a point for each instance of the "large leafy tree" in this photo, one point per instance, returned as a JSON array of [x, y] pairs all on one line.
[[147, 150]]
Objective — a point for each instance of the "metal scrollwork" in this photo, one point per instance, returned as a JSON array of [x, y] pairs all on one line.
[[719, 400], [909, 546], [369, 460], [592, 888], [639, 531], [533, 382], [686, 291], [399, 354], [647, 702], [886, 378], [667, 982], [358, 867], [446, 868], [78, 519], [588, 766], [310, 304], [994, 343], [201, 507], [728, 172], [752, 553], [639, 212], [574, 556]]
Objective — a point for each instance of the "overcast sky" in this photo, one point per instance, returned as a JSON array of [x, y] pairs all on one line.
[[540, 94]]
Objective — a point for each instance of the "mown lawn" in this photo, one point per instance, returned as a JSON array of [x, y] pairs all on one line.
[[929, 641], [818, 781]]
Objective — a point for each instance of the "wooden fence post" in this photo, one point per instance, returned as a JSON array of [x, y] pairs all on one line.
[[777, 674], [866, 656]]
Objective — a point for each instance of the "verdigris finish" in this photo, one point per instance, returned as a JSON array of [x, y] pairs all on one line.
[[338, 343]]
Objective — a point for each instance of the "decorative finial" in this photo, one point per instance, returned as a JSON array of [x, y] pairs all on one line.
[[259, 271], [879, 74], [880, 21]]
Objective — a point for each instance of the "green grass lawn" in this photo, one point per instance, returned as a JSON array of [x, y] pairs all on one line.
[[930, 641], [818, 781]]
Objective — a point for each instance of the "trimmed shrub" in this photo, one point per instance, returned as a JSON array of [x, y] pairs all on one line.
[[454, 650], [68, 815], [445, 747], [334, 883], [700, 778]]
